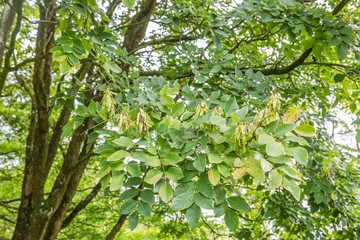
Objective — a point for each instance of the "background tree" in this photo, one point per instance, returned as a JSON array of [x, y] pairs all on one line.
[[178, 110]]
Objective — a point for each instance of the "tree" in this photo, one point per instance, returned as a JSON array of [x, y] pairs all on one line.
[[179, 107]]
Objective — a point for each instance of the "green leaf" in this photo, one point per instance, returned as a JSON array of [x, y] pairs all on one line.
[[205, 188], [118, 155], [193, 215], [124, 142], [166, 191], [231, 106], [178, 109], [128, 206], [134, 169], [112, 66], [130, 193], [275, 179], [92, 108], [216, 69], [223, 169], [239, 114], [64, 67], [81, 111], [358, 136], [144, 209], [339, 78], [104, 170], [282, 129], [299, 140], [305, 130], [200, 162], [133, 220], [117, 166], [289, 171], [183, 201], [117, 181], [176, 136], [220, 209], [279, 159], [174, 173], [153, 176], [299, 153], [265, 138], [59, 56], [214, 176], [342, 51], [217, 120], [274, 149], [239, 203], [214, 157], [219, 194], [292, 187], [171, 158], [152, 161], [203, 202], [231, 220], [147, 196]]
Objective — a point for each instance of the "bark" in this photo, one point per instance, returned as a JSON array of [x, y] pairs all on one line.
[[81, 205], [112, 6], [7, 20], [138, 25], [11, 8], [116, 227], [31, 211], [56, 221]]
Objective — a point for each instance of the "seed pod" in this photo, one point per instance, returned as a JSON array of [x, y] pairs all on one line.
[[108, 102], [218, 111], [201, 109], [240, 134], [143, 122], [273, 103], [125, 121]]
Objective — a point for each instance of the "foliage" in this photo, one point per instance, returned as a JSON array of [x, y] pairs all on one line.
[[191, 117]]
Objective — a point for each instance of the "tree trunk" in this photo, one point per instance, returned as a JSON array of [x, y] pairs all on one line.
[[11, 8], [7, 20]]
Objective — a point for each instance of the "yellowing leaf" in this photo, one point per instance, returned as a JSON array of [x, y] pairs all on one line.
[[214, 176], [305, 130], [153, 176], [291, 115]]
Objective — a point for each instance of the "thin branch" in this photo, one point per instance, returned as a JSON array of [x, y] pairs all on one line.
[[211, 229], [25, 62], [7, 219]]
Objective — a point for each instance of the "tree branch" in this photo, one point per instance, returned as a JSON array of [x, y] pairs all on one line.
[[339, 7], [116, 227], [81, 205]]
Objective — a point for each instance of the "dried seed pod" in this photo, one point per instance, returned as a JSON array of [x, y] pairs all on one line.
[[143, 122]]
